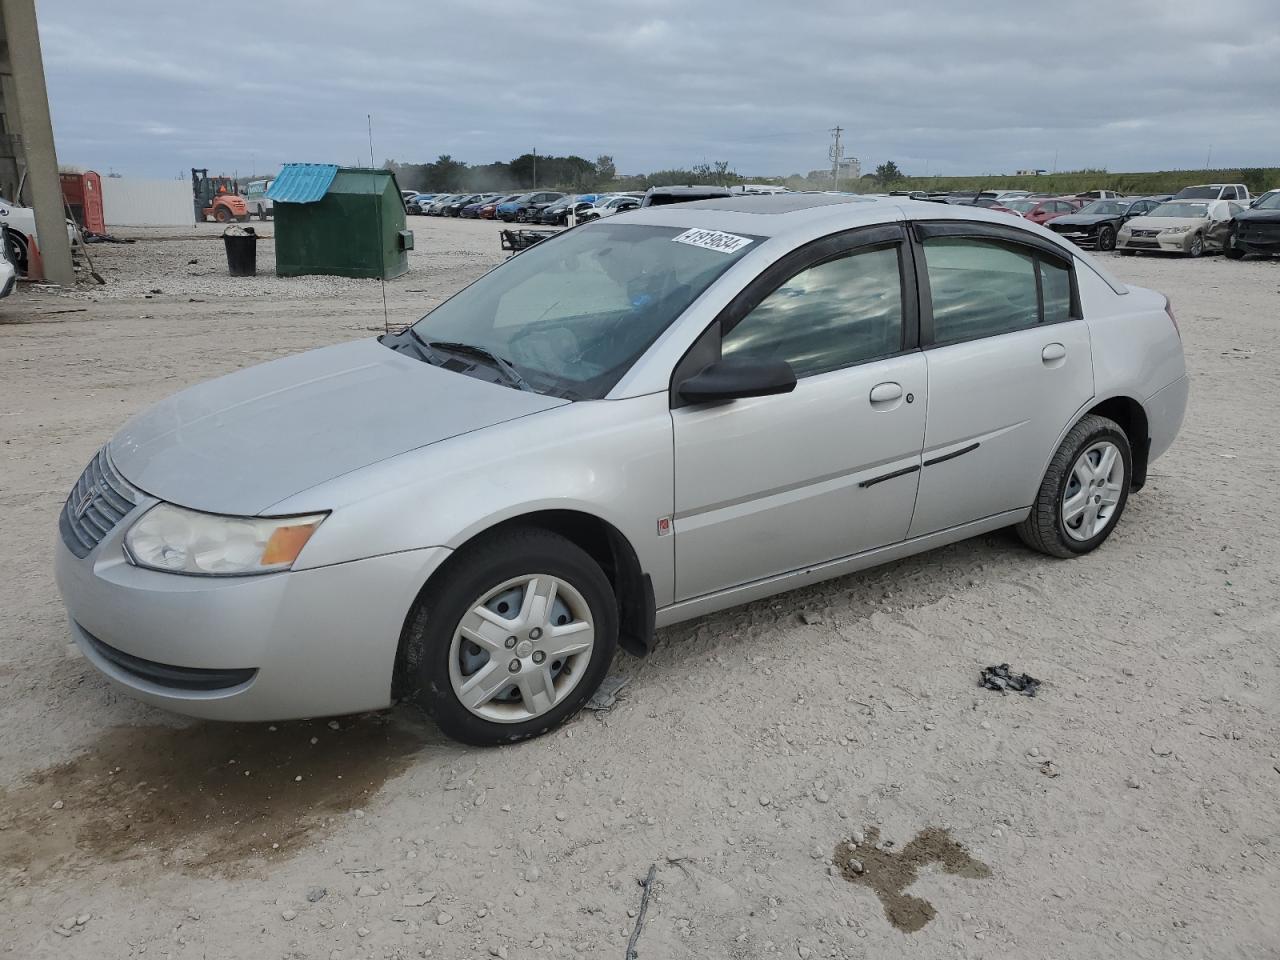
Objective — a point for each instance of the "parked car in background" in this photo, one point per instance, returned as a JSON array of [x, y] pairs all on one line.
[[1097, 224], [1213, 191], [1003, 195], [256, 200], [489, 211], [21, 233], [454, 207], [1188, 227], [1256, 229], [660, 196], [419, 203], [439, 203], [407, 195], [8, 272], [1088, 195], [477, 532], [1040, 209], [471, 211], [557, 214], [522, 206], [608, 207]]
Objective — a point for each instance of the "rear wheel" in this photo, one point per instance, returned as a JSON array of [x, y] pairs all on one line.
[[1084, 491], [512, 638], [1107, 238]]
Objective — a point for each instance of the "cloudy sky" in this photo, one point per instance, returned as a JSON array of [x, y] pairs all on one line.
[[153, 87]]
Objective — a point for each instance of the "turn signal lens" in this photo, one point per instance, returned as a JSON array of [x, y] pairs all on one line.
[[284, 545]]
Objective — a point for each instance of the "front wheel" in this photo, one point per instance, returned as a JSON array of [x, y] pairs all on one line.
[[1107, 238], [512, 637], [1197, 246], [521, 216], [222, 215], [1084, 491]]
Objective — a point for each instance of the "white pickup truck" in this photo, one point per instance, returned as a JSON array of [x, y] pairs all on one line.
[[256, 200]]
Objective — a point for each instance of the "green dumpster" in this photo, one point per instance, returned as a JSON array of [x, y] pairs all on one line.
[[340, 221]]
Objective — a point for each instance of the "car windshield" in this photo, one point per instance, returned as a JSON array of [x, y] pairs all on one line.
[[1022, 206], [1108, 208], [1198, 193], [1270, 201], [572, 313], [1178, 209]]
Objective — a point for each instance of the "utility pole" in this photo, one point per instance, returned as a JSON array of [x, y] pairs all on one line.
[[535, 168], [23, 70], [837, 154]]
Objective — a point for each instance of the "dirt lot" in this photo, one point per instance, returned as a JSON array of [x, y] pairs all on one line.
[[1129, 811]]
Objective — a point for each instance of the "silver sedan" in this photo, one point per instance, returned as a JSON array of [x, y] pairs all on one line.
[[636, 422]]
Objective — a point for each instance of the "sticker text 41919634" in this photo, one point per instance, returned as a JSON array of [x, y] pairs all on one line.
[[713, 240]]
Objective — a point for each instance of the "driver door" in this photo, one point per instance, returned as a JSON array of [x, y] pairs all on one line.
[[771, 484]]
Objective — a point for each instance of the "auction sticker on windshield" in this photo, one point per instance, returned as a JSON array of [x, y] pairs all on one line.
[[713, 240]]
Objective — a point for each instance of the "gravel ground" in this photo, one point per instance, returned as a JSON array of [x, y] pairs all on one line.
[[1127, 811]]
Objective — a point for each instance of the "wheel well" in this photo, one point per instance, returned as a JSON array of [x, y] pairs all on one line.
[[609, 548], [1132, 418]]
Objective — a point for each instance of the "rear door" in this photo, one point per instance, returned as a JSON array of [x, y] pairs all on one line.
[[1009, 366], [771, 484]]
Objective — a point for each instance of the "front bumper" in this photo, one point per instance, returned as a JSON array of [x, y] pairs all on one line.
[[281, 646], [1262, 239], [1160, 243], [1080, 237]]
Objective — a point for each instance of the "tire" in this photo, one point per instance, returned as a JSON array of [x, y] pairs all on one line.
[[1197, 246], [262, 214], [1050, 529], [222, 215], [1107, 238], [436, 661], [1229, 248]]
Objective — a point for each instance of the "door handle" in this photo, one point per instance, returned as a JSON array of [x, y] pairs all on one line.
[[886, 392], [1053, 352]]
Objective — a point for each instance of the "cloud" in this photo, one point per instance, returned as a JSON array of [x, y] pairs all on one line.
[[661, 83]]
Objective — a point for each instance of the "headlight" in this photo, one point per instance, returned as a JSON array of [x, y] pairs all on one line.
[[178, 540], [1175, 229]]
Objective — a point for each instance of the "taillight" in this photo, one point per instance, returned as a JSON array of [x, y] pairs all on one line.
[[1168, 309]]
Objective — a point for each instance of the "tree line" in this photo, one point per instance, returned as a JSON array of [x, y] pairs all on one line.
[[534, 171]]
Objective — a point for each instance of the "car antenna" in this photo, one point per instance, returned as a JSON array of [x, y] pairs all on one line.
[[382, 253]]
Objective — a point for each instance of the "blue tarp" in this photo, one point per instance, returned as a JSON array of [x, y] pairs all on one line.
[[302, 182]]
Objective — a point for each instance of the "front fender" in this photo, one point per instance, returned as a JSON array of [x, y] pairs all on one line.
[[612, 459]]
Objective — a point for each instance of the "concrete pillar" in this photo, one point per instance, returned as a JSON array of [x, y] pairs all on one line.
[[36, 130]]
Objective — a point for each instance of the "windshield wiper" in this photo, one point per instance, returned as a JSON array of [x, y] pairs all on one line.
[[505, 367]]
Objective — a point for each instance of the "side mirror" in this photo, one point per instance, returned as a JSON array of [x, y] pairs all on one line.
[[736, 379]]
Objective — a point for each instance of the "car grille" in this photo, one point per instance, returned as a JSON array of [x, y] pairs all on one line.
[[99, 500], [1259, 231], [1144, 244], [1145, 233]]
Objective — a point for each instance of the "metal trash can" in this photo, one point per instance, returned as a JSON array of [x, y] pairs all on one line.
[[242, 250]]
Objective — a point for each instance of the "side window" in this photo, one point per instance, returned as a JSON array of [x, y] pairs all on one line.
[[1055, 287], [979, 288], [832, 315]]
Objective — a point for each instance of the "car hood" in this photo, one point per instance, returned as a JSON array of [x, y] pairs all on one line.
[[243, 442], [1164, 223], [1259, 216], [1083, 219]]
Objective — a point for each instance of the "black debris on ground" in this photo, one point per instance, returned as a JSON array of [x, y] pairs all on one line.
[[1000, 678]]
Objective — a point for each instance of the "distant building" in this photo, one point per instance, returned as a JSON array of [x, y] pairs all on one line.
[[1029, 173]]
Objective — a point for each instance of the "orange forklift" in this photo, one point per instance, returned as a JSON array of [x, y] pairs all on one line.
[[216, 197]]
